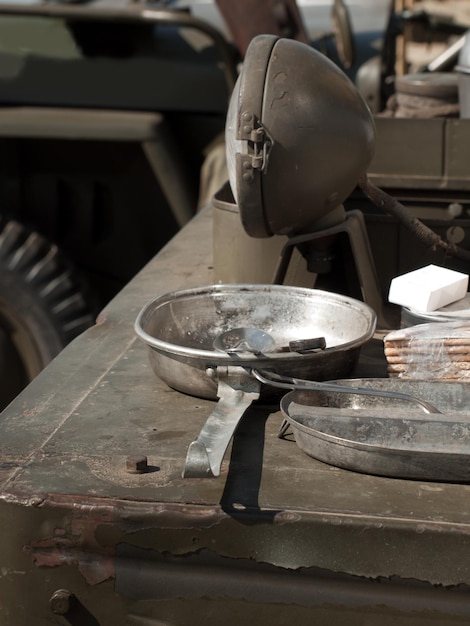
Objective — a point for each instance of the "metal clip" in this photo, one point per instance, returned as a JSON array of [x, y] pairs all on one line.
[[262, 144], [259, 141]]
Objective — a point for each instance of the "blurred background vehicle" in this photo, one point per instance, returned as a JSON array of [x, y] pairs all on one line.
[[106, 109]]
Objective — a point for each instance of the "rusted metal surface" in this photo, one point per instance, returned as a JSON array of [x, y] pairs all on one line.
[[278, 536]]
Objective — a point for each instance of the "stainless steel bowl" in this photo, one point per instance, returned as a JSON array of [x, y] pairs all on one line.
[[180, 329]]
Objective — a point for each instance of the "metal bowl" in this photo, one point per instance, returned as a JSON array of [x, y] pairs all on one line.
[[180, 329]]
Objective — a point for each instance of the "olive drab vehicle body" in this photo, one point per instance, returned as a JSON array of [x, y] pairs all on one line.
[[106, 112], [184, 459]]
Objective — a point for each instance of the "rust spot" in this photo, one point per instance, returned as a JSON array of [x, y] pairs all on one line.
[[77, 545], [53, 552], [95, 526]]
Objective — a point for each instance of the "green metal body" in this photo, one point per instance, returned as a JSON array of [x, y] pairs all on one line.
[[277, 538], [86, 538]]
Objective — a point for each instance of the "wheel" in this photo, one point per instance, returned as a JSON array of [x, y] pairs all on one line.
[[42, 306]]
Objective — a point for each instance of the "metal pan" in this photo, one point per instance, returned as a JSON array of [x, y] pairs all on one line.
[[386, 436], [183, 330], [180, 329]]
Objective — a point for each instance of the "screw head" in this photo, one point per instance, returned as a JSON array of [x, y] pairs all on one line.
[[210, 372], [136, 464], [61, 601]]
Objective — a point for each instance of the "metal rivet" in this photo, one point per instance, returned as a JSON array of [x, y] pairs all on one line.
[[61, 601], [136, 464], [210, 371], [247, 117]]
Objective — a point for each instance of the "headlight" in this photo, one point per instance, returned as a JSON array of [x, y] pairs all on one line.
[[298, 137]]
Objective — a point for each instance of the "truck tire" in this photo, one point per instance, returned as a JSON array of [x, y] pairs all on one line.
[[42, 306]]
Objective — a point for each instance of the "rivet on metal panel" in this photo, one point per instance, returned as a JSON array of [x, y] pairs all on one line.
[[136, 464], [62, 601], [210, 372]]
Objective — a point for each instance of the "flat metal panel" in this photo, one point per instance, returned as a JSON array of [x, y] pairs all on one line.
[[80, 124], [457, 165], [408, 152], [72, 517]]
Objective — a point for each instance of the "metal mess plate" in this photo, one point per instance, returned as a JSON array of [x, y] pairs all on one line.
[[386, 436]]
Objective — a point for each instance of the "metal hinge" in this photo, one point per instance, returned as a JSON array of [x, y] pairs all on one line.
[[259, 141]]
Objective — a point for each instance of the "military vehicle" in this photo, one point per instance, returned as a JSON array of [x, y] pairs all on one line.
[[106, 110], [114, 510], [85, 133]]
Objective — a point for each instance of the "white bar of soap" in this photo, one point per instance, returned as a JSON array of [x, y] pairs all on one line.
[[428, 288]]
